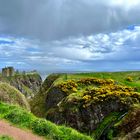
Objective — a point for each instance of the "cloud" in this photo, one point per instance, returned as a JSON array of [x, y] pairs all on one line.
[[59, 19], [104, 51], [127, 4], [113, 46]]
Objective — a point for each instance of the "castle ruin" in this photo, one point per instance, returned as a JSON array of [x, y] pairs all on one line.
[[8, 72]]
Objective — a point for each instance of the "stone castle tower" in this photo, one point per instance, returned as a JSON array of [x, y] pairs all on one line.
[[8, 71]]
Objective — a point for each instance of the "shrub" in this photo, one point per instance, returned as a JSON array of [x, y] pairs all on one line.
[[72, 85], [129, 79], [123, 93]]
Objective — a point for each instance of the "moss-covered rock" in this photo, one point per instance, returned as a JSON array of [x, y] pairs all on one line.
[[38, 103], [84, 111], [11, 95]]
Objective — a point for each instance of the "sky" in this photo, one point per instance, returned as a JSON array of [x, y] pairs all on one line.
[[70, 35]]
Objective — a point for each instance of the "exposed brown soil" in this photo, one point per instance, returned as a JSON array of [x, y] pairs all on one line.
[[16, 133]]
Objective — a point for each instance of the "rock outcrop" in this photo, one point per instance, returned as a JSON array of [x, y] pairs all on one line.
[[38, 103], [84, 103], [28, 84]]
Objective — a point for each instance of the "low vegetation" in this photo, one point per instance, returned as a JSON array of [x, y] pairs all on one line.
[[4, 137], [93, 90], [21, 118], [128, 78]]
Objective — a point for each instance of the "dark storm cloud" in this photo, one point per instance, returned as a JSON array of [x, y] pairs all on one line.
[[58, 19]]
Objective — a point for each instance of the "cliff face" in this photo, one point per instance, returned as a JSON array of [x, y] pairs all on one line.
[[92, 105], [28, 84], [84, 119], [129, 127], [82, 103], [38, 103]]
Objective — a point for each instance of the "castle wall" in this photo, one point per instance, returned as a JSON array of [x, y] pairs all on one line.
[[8, 71]]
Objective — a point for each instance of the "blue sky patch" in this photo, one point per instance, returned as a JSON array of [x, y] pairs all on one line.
[[6, 42], [131, 27], [31, 49]]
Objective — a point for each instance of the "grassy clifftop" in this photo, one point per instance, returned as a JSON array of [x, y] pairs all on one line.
[[62, 83], [129, 78]]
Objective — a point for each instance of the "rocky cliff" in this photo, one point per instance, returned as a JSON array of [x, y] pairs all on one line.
[[129, 127], [28, 84], [38, 103], [86, 109], [84, 102]]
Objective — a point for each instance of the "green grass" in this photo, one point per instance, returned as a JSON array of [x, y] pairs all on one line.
[[23, 119], [5, 137]]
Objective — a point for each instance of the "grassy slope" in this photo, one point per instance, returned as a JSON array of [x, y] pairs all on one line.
[[21, 118], [11, 95]]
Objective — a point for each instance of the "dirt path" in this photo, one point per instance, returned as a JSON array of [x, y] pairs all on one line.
[[16, 133]]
